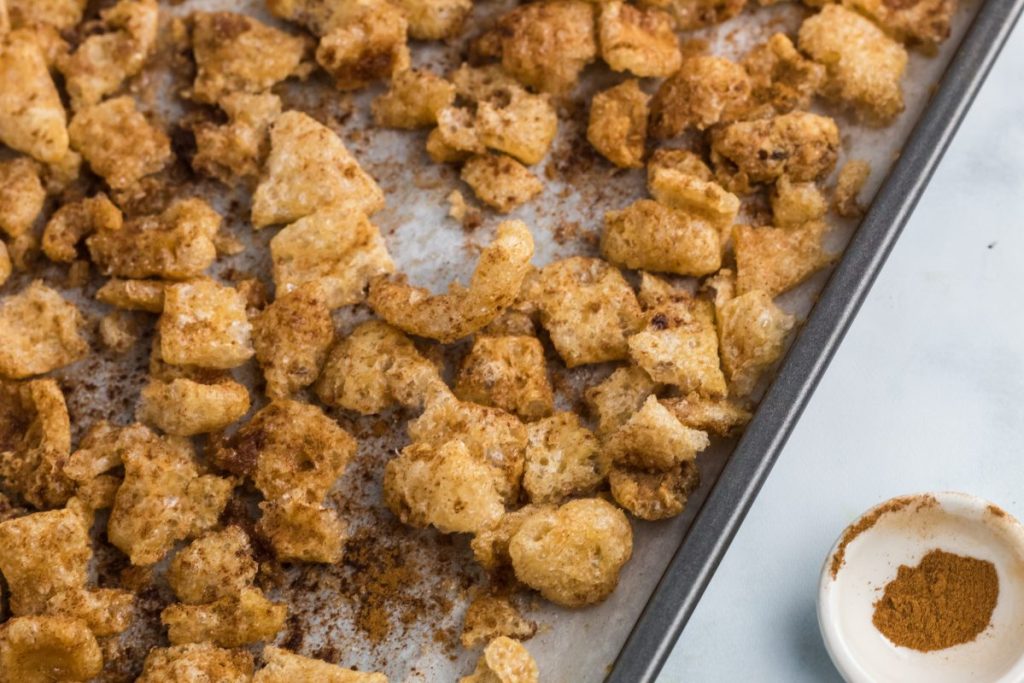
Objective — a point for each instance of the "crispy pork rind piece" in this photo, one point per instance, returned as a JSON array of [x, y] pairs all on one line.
[[654, 495], [291, 337], [500, 181], [651, 236], [309, 169], [781, 77], [369, 45], [215, 565], [613, 401], [775, 260], [752, 333], [491, 616], [45, 553], [282, 666], [919, 23], [864, 65], [802, 145], [32, 117], [494, 286], [133, 295], [40, 332], [654, 439], [508, 373], [117, 141], [232, 621], [618, 124], [413, 100], [237, 54], [119, 331], [234, 152], [456, 138], [204, 323], [563, 458], [434, 19], [106, 611], [44, 649], [588, 308], [720, 416], [640, 40], [694, 14], [694, 195], [681, 161], [337, 248], [22, 195], [185, 408], [705, 91], [177, 244], [196, 662], [76, 220], [517, 123], [794, 204], [35, 442], [105, 60], [6, 267], [573, 555], [302, 531], [446, 486], [852, 177], [165, 497], [60, 14], [490, 545], [504, 660]]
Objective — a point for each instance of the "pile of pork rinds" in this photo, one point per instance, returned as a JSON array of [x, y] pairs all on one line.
[[682, 301]]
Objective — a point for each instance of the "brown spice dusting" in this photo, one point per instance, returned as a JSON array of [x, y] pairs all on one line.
[[868, 521], [945, 600]]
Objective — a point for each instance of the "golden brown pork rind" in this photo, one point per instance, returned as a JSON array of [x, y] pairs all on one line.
[[640, 40], [852, 177], [500, 181], [802, 145], [588, 308], [133, 295], [652, 236], [654, 495], [309, 169], [44, 649], [456, 138], [490, 545], [494, 286], [413, 100], [61, 14], [232, 621], [41, 332], [216, 565], [488, 617], [563, 458], [6, 267], [45, 553], [508, 373], [119, 331], [694, 14], [504, 660], [794, 204], [32, 117], [720, 416], [74, 221], [706, 90], [573, 555], [106, 611], [776, 259], [921, 23], [291, 337], [205, 324], [287, 667], [369, 45], [196, 662], [302, 531], [654, 439], [183, 407], [781, 77], [613, 401], [865, 66], [681, 161], [35, 442], [693, 194], [234, 152], [118, 142], [22, 195], [434, 19], [517, 123], [752, 334], [618, 123]]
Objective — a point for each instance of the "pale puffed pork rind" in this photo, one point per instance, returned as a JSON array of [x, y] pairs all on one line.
[[752, 334], [118, 142], [781, 78], [309, 168], [921, 23], [45, 553], [640, 40], [563, 458], [500, 182], [22, 195], [694, 193], [337, 247], [613, 401], [654, 439], [490, 545], [204, 323], [291, 337], [368, 42], [302, 531], [517, 123], [43, 649], [852, 177], [494, 286], [588, 308], [794, 204], [775, 260], [74, 221], [655, 495], [488, 617], [434, 19], [199, 662], [413, 100], [133, 295], [617, 127], [61, 14], [232, 621], [864, 66], [504, 660], [40, 332], [32, 117], [215, 565], [282, 666], [802, 145], [652, 236], [235, 151], [183, 407], [705, 90], [720, 416], [508, 373], [35, 442], [694, 14], [573, 555]]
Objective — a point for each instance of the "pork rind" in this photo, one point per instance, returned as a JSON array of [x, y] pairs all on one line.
[[864, 65], [106, 611], [752, 333], [60, 14], [654, 439], [302, 531], [119, 331], [214, 566], [518, 123], [291, 337], [641, 40], [45, 553], [618, 124], [850, 182], [508, 373], [775, 260], [197, 662], [232, 621], [781, 77], [310, 169], [204, 323], [413, 100], [500, 181], [802, 145], [654, 495], [504, 660], [41, 332], [456, 138], [588, 308], [652, 236], [133, 295], [490, 545], [794, 204], [177, 244], [74, 221], [287, 667], [563, 458], [237, 54], [693, 193], [375, 368], [338, 248], [235, 152], [488, 617], [923, 23], [6, 267], [613, 401], [705, 90], [434, 19], [185, 408], [165, 497], [22, 195], [118, 142], [495, 284], [106, 59], [445, 486], [369, 44], [694, 14], [32, 118], [720, 416], [573, 555], [35, 442], [43, 649]]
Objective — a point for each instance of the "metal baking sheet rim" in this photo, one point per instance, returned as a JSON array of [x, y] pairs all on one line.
[[704, 545]]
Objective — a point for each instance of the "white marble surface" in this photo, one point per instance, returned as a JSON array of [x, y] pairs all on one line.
[[926, 393]]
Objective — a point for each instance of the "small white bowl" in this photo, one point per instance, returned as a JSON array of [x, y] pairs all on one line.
[[905, 529]]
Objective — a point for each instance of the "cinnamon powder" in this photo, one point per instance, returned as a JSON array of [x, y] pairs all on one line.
[[945, 600]]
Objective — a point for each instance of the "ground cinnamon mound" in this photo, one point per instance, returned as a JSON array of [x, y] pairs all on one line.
[[945, 600]]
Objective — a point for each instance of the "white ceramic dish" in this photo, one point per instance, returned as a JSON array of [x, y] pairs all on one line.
[[901, 531]]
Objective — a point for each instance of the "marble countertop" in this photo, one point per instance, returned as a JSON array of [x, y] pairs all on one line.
[[926, 393]]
